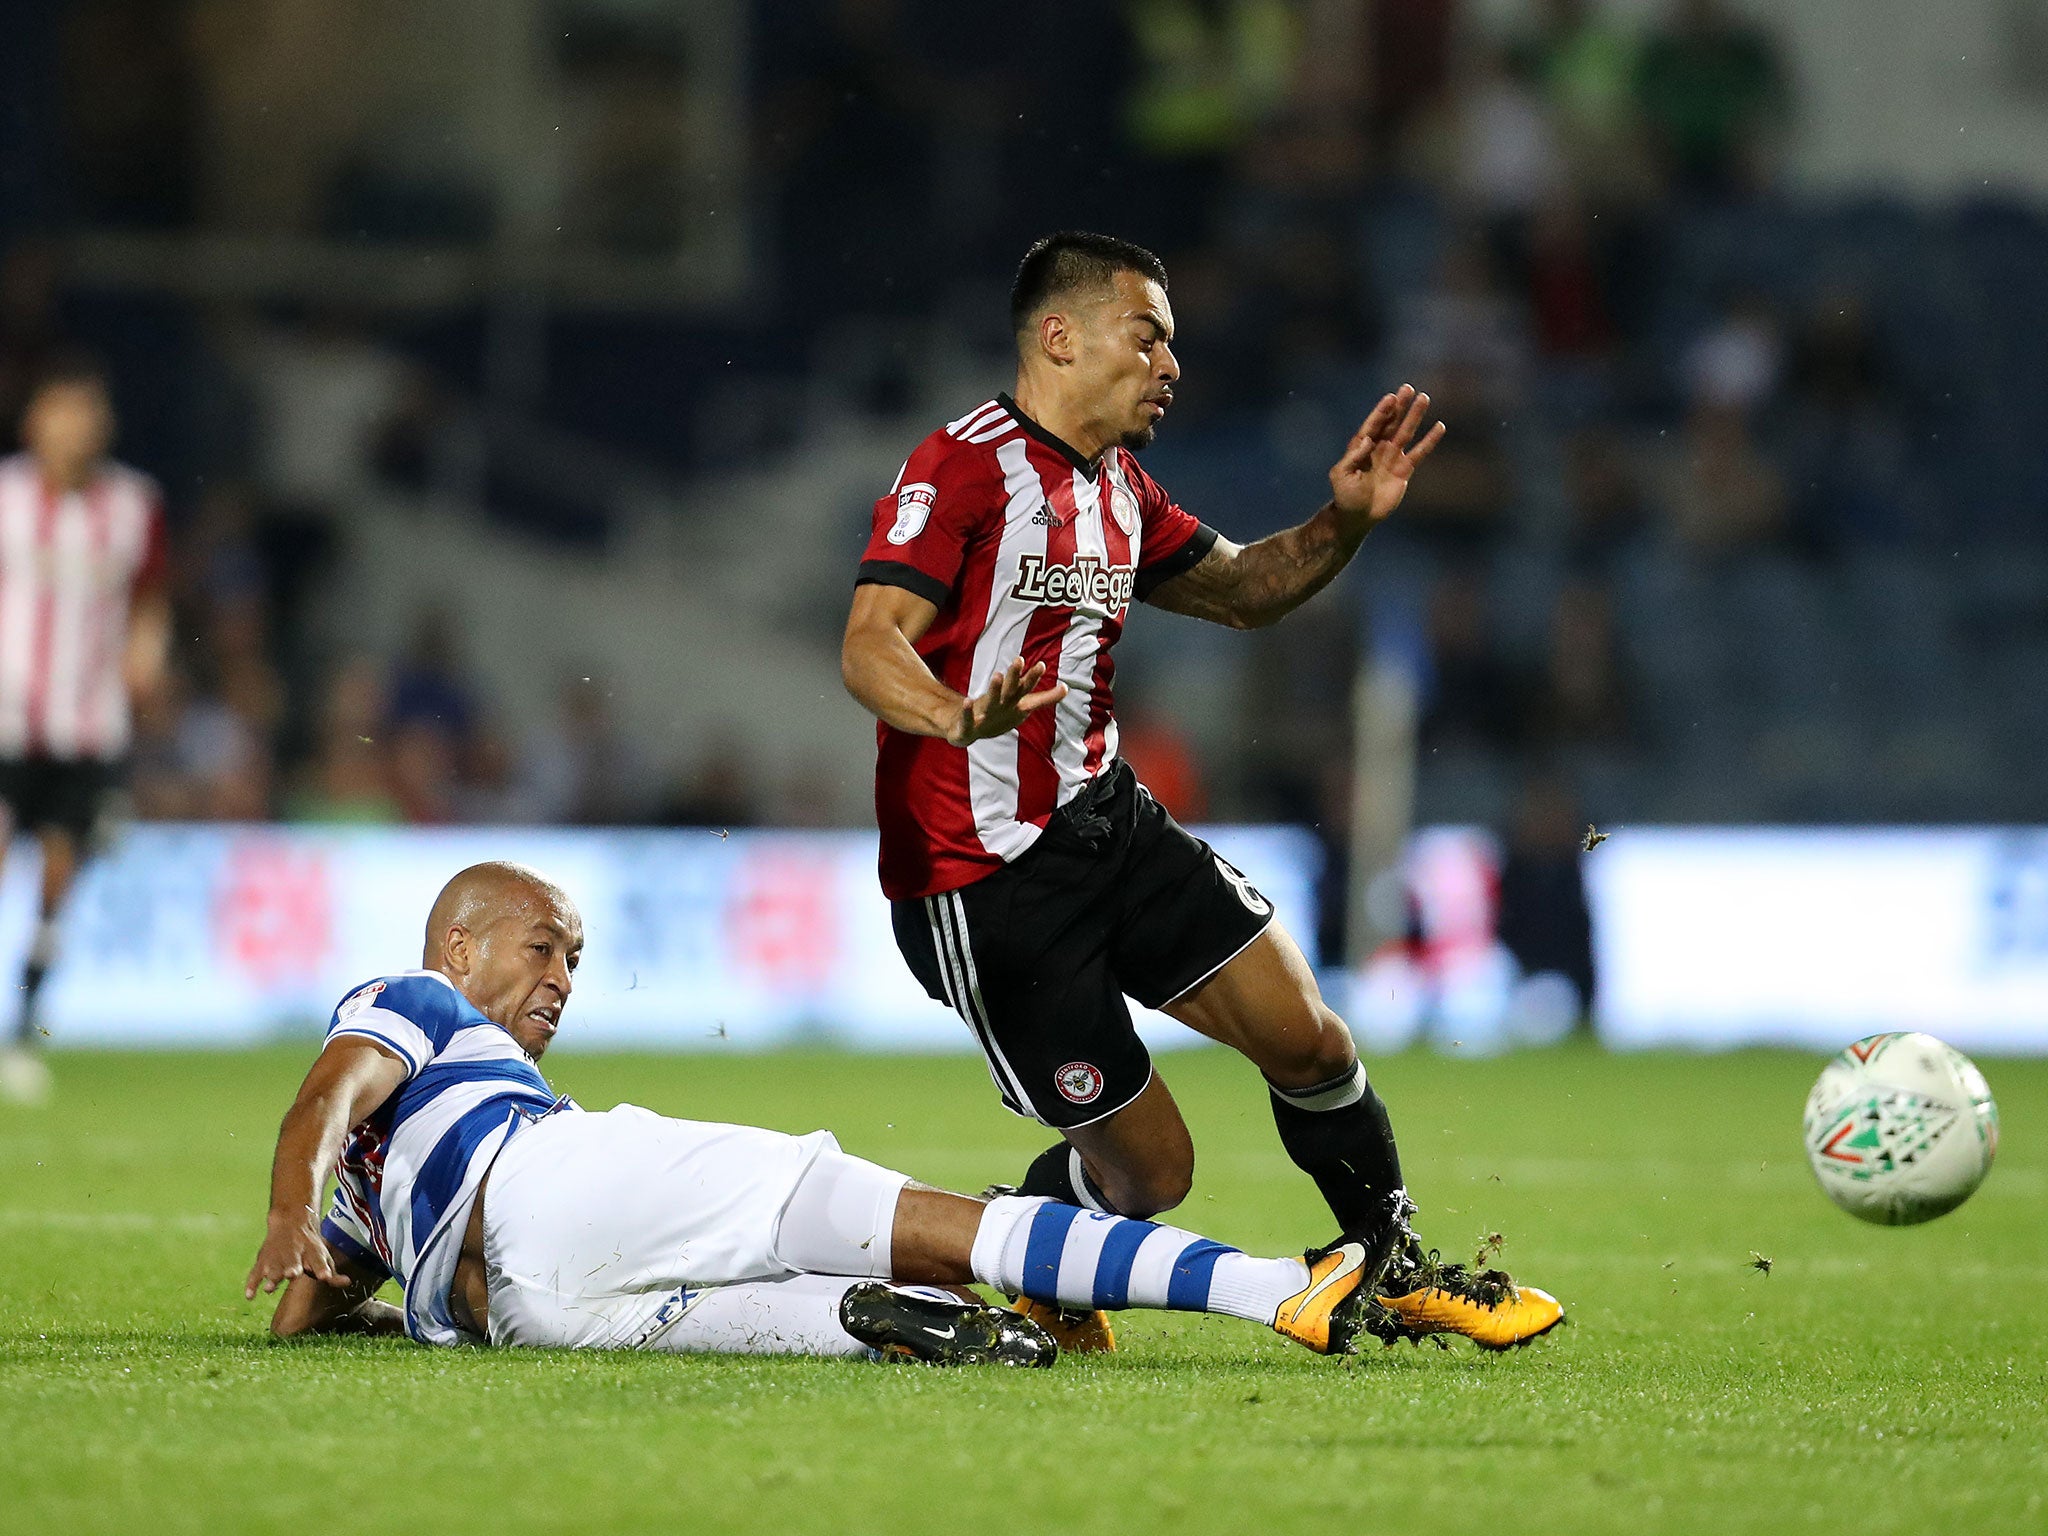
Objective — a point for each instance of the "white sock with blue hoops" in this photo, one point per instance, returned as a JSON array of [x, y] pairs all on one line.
[[1068, 1257]]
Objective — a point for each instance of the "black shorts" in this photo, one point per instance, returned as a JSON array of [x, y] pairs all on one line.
[[1116, 898], [48, 792]]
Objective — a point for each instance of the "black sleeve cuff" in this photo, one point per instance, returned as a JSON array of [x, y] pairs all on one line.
[[894, 573], [1199, 543]]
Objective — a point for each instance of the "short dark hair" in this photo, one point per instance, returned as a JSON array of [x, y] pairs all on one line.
[[1074, 259]]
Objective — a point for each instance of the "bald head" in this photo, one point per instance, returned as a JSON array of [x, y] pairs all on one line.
[[509, 938], [483, 893]]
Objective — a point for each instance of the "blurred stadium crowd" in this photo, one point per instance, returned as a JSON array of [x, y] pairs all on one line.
[[1740, 517]]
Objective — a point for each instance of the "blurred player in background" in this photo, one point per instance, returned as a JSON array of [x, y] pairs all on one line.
[[1034, 882], [510, 1216], [84, 631]]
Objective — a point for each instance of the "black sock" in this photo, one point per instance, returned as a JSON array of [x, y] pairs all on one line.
[[42, 950], [25, 1030], [1057, 1174], [1338, 1134]]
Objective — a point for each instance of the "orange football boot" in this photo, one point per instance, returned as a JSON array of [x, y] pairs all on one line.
[[1076, 1332], [1433, 1298], [1326, 1314]]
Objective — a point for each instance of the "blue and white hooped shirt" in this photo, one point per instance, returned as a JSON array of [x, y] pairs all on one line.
[[409, 1174]]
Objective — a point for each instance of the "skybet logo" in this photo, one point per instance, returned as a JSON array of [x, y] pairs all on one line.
[[1087, 583]]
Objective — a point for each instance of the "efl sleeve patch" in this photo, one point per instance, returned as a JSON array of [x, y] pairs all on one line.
[[919, 532], [357, 1001], [412, 1020], [913, 510]]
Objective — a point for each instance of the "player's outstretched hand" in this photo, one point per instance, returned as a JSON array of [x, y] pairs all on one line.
[[291, 1247], [1008, 701], [1368, 482]]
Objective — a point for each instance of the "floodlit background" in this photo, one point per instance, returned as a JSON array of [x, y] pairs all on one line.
[[520, 374]]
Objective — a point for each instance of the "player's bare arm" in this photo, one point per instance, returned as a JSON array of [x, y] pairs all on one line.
[[349, 1081], [881, 668], [147, 656], [1249, 586], [313, 1306]]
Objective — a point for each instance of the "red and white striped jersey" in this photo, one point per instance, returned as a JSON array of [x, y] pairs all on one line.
[[71, 564], [1027, 550]]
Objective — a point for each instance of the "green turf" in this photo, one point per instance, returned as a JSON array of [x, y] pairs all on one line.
[[1875, 1380]]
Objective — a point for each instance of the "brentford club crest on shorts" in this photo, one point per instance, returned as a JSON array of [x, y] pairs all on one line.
[[1078, 1082]]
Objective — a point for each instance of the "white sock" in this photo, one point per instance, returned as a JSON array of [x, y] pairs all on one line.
[[1065, 1256]]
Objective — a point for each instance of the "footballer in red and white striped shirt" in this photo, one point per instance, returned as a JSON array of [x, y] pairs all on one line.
[[1034, 884], [1024, 549], [84, 627]]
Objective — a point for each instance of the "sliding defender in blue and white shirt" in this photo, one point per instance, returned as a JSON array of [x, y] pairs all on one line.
[[510, 1216]]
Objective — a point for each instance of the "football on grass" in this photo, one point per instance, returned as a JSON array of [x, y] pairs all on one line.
[[1900, 1129]]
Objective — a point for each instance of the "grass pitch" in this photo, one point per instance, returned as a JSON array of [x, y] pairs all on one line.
[[1873, 1380]]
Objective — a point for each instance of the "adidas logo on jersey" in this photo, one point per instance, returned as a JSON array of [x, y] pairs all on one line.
[[1087, 583], [1044, 517]]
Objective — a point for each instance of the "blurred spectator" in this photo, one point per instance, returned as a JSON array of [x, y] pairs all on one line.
[[1712, 90], [1739, 360], [1544, 919], [578, 767], [430, 685], [1583, 65], [1271, 311], [249, 694], [1721, 493], [348, 778], [1838, 365], [1503, 153], [199, 758], [1604, 498], [224, 590], [1581, 697], [720, 791], [1466, 338], [1567, 284], [221, 567], [1207, 75], [422, 768], [1472, 701], [1848, 443], [1466, 343], [1472, 477], [486, 780], [1409, 55], [1280, 295]]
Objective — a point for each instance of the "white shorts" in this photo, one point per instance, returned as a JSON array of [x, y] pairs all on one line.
[[604, 1231]]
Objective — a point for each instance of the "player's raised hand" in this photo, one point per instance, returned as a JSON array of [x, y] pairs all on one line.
[[1368, 482], [291, 1247], [1009, 700]]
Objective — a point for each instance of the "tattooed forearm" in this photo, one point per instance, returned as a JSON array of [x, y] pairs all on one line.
[[1257, 584]]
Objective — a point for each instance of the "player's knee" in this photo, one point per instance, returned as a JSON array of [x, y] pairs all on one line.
[[1317, 1049], [1147, 1191], [1336, 1052]]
